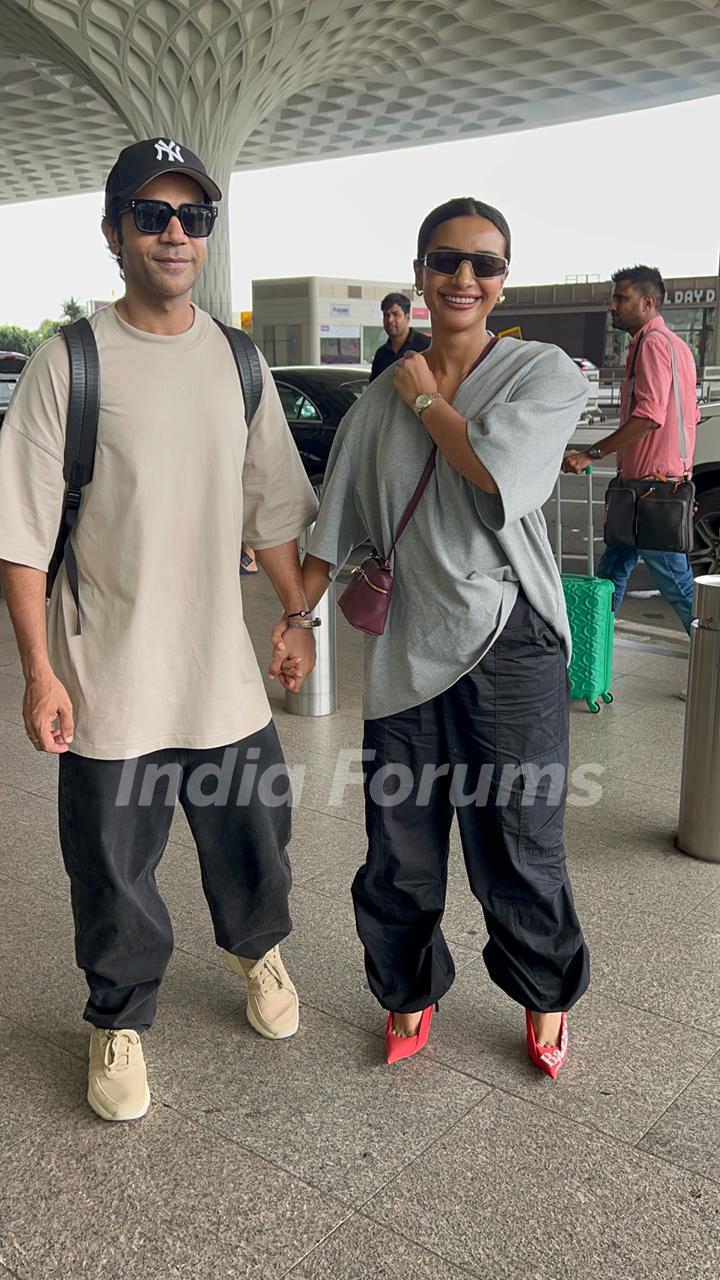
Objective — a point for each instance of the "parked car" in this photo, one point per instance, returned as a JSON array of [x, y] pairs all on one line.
[[592, 411], [586, 366], [705, 558], [315, 398], [12, 364]]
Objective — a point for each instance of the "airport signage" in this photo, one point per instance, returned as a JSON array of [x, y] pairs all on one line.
[[692, 297], [339, 330]]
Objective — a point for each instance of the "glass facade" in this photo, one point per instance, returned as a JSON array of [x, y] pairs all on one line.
[[373, 337], [339, 350], [695, 325], [281, 343]]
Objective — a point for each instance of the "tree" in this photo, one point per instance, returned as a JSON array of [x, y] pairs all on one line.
[[71, 310], [13, 338], [47, 329]]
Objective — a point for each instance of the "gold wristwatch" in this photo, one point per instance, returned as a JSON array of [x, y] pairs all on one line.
[[424, 400]]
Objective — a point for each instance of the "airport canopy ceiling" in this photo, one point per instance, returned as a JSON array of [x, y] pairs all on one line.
[[253, 83]]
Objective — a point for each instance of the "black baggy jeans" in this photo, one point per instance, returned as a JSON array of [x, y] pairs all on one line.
[[115, 818], [494, 749]]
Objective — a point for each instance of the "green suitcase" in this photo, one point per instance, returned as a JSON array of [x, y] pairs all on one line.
[[589, 602]]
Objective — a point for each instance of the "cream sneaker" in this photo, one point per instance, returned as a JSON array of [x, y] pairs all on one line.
[[272, 1001], [117, 1083]]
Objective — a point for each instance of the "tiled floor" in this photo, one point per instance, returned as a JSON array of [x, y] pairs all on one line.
[[312, 1159]]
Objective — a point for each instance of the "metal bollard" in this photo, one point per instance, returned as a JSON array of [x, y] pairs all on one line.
[[318, 695], [699, 825]]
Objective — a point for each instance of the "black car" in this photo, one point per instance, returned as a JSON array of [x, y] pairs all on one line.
[[315, 398], [12, 364]]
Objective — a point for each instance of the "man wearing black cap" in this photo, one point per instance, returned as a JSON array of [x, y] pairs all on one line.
[[145, 683]]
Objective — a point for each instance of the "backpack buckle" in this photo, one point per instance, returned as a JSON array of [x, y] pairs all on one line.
[[72, 498]]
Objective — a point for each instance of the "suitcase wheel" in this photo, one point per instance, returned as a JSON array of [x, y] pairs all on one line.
[[607, 697], [594, 707]]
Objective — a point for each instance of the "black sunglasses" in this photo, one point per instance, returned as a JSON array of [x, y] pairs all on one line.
[[153, 216], [447, 262]]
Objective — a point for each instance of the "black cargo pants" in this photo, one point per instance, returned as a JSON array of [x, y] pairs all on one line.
[[498, 739], [115, 817]]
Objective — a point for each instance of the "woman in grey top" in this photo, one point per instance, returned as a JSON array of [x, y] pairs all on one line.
[[466, 692]]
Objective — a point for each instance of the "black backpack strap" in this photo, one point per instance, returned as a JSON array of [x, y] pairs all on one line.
[[82, 420], [80, 437], [247, 360]]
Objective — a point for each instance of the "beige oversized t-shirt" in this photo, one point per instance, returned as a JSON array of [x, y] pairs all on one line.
[[163, 658]]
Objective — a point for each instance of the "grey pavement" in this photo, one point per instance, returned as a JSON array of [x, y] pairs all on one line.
[[312, 1159]]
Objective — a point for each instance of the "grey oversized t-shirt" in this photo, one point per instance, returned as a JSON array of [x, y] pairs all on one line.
[[459, 562]]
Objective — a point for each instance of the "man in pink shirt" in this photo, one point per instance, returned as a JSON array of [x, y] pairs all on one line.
[[648, 439]]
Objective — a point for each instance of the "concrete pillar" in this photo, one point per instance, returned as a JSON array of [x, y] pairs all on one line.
[[312, 345], [213, 290], [196, 74], [203, 74], [716, 360]]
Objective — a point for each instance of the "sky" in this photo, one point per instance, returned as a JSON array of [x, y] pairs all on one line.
[[581, 199]]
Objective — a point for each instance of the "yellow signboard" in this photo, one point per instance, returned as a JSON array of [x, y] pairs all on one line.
[[246, 321], [515, 332]]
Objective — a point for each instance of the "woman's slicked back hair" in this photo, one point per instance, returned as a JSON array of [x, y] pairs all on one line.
[[462, 207]]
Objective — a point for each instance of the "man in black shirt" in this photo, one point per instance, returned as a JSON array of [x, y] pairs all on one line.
[[395, 309]]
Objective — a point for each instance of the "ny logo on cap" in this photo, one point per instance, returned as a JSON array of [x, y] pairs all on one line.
[[171, 150]]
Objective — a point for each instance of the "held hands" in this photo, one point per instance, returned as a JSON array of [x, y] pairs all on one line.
[[413, 377], [293, 655], [576, 462], [46, 701]]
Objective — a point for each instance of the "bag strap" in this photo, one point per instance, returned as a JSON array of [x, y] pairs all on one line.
[[631, 380], [83, 412], [80, 437], [83, 403], [410, 508], [676, 391], [678, 403], [247, 361], [430, 464]]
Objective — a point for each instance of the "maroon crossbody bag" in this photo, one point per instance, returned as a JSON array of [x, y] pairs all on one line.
[[366, 599]]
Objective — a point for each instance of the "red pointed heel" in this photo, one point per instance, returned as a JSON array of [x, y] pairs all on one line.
[[397, 1047], [548, 1060]]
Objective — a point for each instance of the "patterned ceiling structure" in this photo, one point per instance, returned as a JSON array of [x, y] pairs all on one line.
[[252, 83]]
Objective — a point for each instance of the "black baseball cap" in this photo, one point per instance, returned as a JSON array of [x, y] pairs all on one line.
[[141, 161]]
